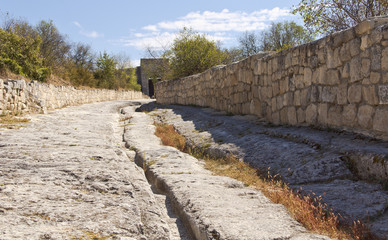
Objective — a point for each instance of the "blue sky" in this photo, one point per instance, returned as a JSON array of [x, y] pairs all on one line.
[[128, 27]]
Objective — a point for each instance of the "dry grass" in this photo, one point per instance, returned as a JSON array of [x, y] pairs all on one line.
[[8, 120], [170, 137], [309, 211]]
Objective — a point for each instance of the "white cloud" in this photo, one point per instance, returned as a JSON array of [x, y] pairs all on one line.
[[223, 26], [90, 34], [225, 20]]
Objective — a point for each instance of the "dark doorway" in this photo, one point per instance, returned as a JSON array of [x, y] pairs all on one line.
[[150, 87]]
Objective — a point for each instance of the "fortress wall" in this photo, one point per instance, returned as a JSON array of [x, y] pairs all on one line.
[[340, 81], [18, 96]]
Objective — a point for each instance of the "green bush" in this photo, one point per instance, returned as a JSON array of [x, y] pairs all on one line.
[[20, 54]]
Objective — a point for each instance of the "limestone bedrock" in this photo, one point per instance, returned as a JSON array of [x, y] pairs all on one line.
[[212, 207], [344, 168], [67, 175]]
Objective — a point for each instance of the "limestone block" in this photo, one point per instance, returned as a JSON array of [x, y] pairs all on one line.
[[355, 69], [342, 94], [279, 101], [343, 37], [383, 94], [384, 43], [354, 46], [275, 118], [332, 77], [284, 116], [364, 43], [349, 114], [255, 108], [299, 81], [369, 95], [385, 77], [322, 113], [288, 99], [380, 120], [374, 77], [322, 75], [311, 114], [345, 71], [307, 76], [301, 114], [375, 57], [334, 116], [283, 86], [365, 67], [365, 116], [384, 59], [291, 115], [344, 53], [354, 93], [297, 98], [329, 94], [275, 88], [364, 27], [274, 104], [1, 84], [305, 96]]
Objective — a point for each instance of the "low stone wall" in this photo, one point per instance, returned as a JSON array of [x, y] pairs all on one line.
[[18, 96], [339, 81]]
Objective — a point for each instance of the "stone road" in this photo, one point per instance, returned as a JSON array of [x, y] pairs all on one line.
[[73, 174], [67, 175], [343, 168]]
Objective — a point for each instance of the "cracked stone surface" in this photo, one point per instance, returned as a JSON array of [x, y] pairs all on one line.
[[303, 157], [212, 207], [67, 175]]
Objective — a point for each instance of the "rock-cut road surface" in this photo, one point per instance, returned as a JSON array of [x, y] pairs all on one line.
[[74, 174]]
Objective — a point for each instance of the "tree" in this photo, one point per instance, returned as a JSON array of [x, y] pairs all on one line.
[[105, 71], [249, 44], [20, 54], [193, 53], [325, 16], [284, 35], [54, 47], [79, 68]]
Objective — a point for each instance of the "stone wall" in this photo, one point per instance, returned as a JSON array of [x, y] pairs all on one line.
[[19, 96], [340, 81]]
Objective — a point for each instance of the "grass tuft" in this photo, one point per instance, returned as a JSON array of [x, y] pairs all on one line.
[[9, 120], [309, 211]]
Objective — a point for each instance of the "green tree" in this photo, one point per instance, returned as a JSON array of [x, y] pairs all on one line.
[[54, 47], [193, 53], [105, 72], [20, 54], [325, 16], [284, 35]]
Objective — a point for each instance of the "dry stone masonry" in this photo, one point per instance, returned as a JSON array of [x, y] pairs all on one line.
[[18, 96], [340, 81]]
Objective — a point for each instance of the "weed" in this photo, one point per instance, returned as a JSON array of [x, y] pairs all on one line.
[[125, 118], [11, 120], [308, 210]]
